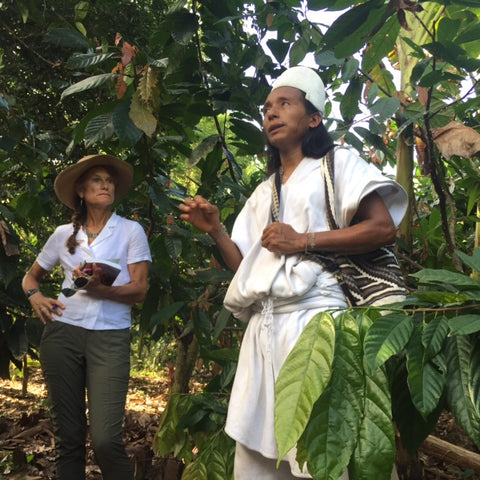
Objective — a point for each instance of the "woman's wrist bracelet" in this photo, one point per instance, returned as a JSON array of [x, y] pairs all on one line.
[[221, 233]]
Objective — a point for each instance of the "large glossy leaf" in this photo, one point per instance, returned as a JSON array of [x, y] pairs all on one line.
[[183, 26], [425, 381], [458, 353], [475, 377], [350, 31], [445, 276], [464, 324], [381, 44], [85, 60], [66, 37], [434, 334], [472, 261], [453, 54], [413, 428], [195, 471], [169, 438], [88, 83], [99, 129], [349, 105], [332, 432], [203, 149], [18, 340], [386, 337], [279, 48], [374, 454], [302, 379], [126, 131], [385, 107]]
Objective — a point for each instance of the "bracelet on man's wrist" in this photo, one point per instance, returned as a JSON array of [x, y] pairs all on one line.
[[221, 233]]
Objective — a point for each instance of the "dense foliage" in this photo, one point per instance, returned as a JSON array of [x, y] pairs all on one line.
[[174, 88]]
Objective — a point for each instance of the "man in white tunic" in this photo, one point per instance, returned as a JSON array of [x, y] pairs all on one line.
[[276, 288]]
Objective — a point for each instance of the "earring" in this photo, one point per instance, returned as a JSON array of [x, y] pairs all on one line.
[[81, 202]]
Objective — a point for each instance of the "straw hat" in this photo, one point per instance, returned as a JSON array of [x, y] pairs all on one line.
[[64, 184], [306, 80]]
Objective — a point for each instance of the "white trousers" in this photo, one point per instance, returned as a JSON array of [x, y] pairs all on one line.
[[252, 465]]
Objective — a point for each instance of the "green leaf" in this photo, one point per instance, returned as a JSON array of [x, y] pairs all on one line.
[[458, 352], [302, 379], [195, 471], [332, 432], [374, 453], [350, 69], [349, 105], [431, 275], [88, 83], [385, 107], [279, 48], [166, 313], [169, 438], [183, 25], [86, 60], [413, 428], [66, 38], [464, 324], [17, 339], [81, 10], [471, 261], [471, 34], [249, 134], [475, 377], [386, 337], [99, 129], [434, 334], [126, 131], [425, 382], [299, 50], [203, 149], [381, 44], [453, 54]]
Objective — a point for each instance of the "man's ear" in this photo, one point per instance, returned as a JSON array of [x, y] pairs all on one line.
[[315, 119]]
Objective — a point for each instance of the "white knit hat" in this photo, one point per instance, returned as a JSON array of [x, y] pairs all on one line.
[[306, 80]]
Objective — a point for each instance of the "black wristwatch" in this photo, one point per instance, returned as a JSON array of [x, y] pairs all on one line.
[[30, 292]]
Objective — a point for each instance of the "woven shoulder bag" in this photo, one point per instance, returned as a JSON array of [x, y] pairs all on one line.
[[372, 278]]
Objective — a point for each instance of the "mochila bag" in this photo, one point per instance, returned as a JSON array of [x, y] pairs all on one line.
[[372, 278]]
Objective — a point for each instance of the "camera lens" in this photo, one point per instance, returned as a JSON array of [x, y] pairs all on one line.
[[80, 282]]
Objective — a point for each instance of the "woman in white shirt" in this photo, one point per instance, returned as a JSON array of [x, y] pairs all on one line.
[[277, 289], [85, 346]]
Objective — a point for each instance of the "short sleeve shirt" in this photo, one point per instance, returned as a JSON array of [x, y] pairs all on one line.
[[122, 241]]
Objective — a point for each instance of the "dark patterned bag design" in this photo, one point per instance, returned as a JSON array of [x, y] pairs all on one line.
[[372, 278]]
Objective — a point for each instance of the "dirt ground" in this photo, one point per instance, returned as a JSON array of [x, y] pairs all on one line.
[[27, 444]]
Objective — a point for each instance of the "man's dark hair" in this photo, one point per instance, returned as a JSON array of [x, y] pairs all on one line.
[[316, 143]]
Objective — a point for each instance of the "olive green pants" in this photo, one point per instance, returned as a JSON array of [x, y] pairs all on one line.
[[75, 362]]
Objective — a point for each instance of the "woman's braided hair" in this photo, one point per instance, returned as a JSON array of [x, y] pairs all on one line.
[[78, 219]]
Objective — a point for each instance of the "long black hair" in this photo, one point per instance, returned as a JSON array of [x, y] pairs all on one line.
[[315, 144]]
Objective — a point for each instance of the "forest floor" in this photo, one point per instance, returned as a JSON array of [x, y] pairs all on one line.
[[27, 444]]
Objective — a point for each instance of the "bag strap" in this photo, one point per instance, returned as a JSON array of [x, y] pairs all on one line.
[[328, 170], [275, 206]]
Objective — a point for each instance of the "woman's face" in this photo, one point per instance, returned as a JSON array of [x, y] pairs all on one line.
[[285, 118], [97, 188]]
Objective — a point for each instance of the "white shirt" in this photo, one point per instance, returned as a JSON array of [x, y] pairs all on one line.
[[121, 240]]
